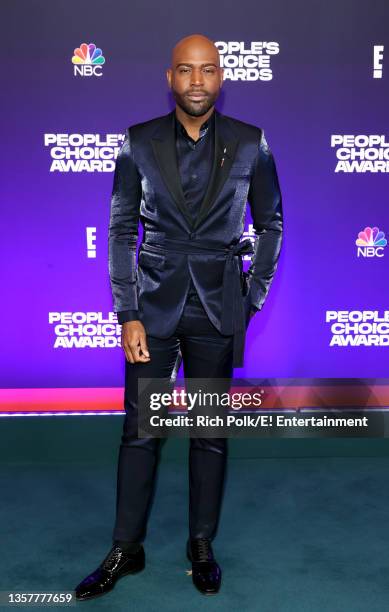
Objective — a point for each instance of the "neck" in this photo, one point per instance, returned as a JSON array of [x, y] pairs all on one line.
[[192, 124]]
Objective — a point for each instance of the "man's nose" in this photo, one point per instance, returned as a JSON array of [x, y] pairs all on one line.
[[197, 76]]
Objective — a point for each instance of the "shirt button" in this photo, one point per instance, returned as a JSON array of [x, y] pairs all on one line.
[[194, 176], [192, 235]]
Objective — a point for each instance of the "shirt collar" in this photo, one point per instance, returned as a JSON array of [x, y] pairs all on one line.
[[203, 128]]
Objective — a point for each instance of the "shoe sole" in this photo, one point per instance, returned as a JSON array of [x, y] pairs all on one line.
[[134, 571]]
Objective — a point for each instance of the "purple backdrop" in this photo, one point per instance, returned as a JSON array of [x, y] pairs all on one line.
[[322, 84]]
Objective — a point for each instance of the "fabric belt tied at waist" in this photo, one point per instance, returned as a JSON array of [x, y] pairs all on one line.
[[233, 318]]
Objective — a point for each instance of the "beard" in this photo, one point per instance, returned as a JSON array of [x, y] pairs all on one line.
[[193, 108]]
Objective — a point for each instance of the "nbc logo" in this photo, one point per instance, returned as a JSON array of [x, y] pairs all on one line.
[[371, 242], [88, 60]]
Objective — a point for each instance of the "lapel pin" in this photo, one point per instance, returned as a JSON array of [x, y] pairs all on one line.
[[222, 162]]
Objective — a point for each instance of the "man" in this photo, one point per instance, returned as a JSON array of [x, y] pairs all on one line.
[[187, 177]]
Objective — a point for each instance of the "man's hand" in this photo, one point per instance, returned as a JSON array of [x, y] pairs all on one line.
[[134, 342]]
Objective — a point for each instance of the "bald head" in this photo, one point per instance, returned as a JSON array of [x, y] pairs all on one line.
[[197, 47]]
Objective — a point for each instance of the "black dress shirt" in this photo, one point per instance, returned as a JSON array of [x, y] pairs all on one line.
[[194, 160]]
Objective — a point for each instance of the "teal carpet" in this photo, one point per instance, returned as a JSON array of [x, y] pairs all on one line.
[[296, 535]]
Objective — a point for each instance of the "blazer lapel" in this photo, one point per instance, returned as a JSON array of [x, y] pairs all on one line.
[[225, 144], [164, 147]]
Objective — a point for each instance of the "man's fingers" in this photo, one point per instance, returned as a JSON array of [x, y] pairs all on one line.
[[127, 350], [134, 342], [143, 345], [135, 348], [126, 345], [139, 348], [137, 351]]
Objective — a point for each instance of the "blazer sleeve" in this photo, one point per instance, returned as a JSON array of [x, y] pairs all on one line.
[[265, 203], [123, 233]]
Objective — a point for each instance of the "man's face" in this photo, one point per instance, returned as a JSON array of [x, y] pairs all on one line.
[[195, 80]]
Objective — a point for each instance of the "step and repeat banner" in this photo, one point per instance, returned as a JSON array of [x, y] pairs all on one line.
[[314, 76]]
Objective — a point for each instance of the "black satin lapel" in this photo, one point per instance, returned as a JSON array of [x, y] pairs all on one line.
[[220, 171], [164, 147]]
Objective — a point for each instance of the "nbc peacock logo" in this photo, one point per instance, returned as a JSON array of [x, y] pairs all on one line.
[[88, 60], [371, 242]]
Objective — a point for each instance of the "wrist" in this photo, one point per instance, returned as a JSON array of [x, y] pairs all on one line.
[[125, 316]]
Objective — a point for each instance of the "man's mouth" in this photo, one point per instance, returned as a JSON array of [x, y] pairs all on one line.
[[196, 96]]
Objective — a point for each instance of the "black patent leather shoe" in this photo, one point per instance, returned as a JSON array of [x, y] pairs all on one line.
[[116, 564], [206, 573]]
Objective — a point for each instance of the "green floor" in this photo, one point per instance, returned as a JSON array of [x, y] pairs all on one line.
[[297, 533]]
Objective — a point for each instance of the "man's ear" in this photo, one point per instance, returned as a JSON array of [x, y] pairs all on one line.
[[169, 77], [222, 76]]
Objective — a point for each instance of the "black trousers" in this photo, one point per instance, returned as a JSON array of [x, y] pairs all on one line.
[[205, 354]]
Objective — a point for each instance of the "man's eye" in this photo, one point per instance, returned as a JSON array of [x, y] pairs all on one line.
[[211, 70]]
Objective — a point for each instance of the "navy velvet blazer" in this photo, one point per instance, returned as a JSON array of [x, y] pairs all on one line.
[[147, 189]]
